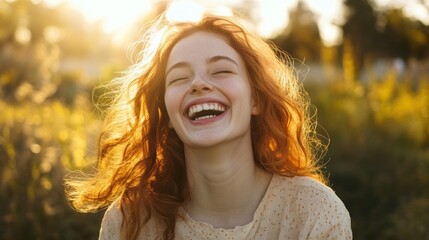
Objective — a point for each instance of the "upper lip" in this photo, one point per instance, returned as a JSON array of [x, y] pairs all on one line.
[[201, 101]]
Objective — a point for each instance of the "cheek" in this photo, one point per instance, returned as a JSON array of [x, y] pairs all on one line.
[[173, 100], [237, 89]]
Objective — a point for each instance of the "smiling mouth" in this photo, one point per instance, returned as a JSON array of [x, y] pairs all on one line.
[[205, 111]]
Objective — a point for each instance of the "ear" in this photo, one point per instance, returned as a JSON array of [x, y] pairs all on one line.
[[255, 108]]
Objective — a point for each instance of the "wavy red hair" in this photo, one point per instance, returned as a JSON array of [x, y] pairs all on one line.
[[141, 161]]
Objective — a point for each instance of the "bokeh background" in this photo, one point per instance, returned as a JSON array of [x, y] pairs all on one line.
[[365, 64]]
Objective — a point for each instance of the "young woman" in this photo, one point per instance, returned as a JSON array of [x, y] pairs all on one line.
[[210, 139]]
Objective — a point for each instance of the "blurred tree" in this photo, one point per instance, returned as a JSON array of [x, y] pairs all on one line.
[[301, 38], [403, 37], [361, 38], [386, 33]]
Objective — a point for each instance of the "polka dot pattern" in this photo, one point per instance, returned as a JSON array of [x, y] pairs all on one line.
[[292, 208]]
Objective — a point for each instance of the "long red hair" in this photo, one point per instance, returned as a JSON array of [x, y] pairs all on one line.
[[141, 161]]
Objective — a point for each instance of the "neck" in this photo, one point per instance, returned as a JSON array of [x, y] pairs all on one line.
[[225, 185]]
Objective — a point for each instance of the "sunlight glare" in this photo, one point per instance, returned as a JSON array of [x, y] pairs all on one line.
[[191, 11], [273, 17], [329, 16], [414, 9], [331, 34], [417, 11], [22, 35], [114, 15], [184, 11], [53, 3]]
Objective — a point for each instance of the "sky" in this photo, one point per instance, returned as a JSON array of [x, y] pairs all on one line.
[[271, 15]]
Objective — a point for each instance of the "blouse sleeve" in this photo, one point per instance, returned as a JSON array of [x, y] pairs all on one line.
[[333, 225], [111, 224], [329, 218]]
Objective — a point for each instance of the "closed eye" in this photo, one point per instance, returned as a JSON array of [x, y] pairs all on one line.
[[175, 80], [221, 72]]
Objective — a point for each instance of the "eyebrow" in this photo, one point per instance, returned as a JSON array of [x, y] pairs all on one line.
[[176, 65], [218, 58], [209, 60]]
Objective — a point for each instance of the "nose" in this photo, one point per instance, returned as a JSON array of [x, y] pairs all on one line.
[[199, 84]]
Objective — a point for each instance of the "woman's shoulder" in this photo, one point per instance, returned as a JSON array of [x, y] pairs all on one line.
[[316, 205], [304, 186], [319, 195], [309, 194], [111, 223]]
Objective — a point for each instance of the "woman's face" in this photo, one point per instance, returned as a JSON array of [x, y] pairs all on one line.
[[208, 95]]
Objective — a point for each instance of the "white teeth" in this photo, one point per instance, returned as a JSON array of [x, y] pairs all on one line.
[[205, 117], [205, 106]]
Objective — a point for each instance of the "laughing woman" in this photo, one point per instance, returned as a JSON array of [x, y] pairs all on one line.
[[210, 139]]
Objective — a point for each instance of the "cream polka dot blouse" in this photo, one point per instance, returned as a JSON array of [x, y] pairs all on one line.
[[292, 208]]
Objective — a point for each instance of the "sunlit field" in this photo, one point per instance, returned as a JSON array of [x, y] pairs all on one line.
[[365, 65]]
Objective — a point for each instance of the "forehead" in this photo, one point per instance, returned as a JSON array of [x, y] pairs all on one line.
[[199, 46]]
